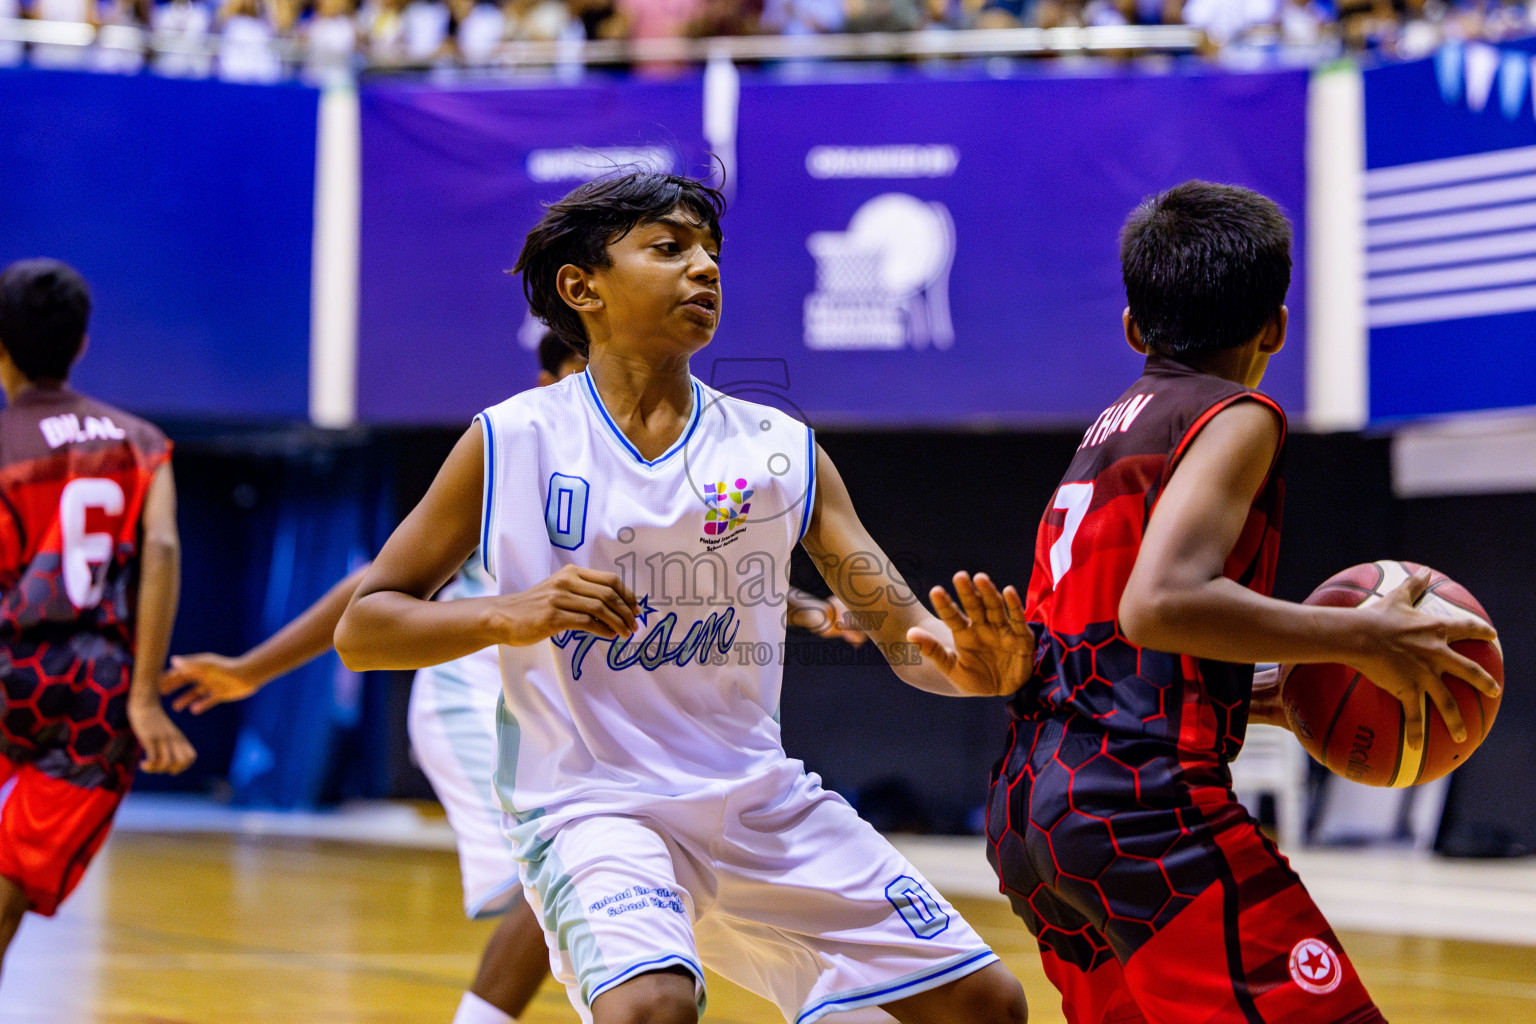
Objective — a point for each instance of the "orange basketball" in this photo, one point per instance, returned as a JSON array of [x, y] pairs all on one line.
[[1357, 730]]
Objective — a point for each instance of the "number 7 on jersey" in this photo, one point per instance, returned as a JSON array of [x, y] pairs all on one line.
[[1075, 498]]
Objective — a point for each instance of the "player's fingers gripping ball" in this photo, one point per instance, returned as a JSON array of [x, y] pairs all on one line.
[[1359, 730]]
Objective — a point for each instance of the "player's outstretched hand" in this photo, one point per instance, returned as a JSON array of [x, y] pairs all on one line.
[[206, 680], [827, 619], [590, 600], [166, 750], [994, 650], [1411, 653]]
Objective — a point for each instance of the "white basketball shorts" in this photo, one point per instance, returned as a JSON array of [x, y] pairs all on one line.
[[772, 882], [452, 723]]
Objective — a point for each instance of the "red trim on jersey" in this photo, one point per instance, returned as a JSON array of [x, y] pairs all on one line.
[[1210, 414]]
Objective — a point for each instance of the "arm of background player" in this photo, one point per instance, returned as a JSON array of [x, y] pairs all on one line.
[[165, 748], [212, 679], [961, 656], [391, 622], [1178, 600]]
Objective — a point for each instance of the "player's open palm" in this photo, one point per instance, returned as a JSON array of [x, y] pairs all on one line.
[[166, 750], [575, 597], [992, 652], [1411, 654], [205, 680]]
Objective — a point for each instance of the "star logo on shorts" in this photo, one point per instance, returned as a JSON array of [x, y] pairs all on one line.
[[1315, 967]]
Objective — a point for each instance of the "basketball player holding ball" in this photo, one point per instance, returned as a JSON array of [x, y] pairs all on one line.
[[1112, 824]]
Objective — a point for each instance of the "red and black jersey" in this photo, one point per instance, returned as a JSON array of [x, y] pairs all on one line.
[[1084, 552], [74, 474]]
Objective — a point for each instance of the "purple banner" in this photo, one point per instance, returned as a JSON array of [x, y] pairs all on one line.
[[451, 182], [915, 250]]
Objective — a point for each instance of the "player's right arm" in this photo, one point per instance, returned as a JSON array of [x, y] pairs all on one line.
[[392, 623], [1178, 600], [206, 680]]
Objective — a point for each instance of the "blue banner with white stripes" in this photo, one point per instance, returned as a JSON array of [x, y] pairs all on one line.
[[1450, 209]]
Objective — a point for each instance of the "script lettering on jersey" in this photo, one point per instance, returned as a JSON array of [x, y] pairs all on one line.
[[1119, 417], [67, 429], [705, 638]]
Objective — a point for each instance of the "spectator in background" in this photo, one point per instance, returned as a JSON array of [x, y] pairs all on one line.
[[881, 15], [1110, 12], [58, 55], [330, 42], [179, 35], [10, 50], [383, 30], [803, 17], [1226, 21], [541, 20], [247, 44], [424, 31], [478, 27], [284, 15], [600, 19], [727, 18], [119, 45], [657, 19], [1302, 23]]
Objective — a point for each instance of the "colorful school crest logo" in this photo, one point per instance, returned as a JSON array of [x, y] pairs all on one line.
[[726, 507]]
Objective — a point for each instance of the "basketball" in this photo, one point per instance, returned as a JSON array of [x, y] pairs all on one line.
[[1357, 730]]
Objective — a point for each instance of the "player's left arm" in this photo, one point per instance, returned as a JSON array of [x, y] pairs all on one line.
[[978, 648], [165, 748]]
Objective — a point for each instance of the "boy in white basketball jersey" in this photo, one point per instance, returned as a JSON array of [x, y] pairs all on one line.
[[639, 526]]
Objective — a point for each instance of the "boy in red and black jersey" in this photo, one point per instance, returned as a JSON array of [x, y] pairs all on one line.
[[1111, 821], [88, 586]]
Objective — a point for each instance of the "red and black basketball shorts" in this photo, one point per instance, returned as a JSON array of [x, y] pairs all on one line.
[[1152, 893], [49, 831], [67, 755]]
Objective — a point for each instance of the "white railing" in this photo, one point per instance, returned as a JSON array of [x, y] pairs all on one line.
[[1101, 40]]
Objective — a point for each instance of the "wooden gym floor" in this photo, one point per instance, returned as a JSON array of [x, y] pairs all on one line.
[[202, 928]]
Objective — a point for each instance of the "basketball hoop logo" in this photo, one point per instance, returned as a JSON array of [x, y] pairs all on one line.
[[1315, 967], [883, 283]]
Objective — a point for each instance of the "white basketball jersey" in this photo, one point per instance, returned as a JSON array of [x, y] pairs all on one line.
[[702, 534]]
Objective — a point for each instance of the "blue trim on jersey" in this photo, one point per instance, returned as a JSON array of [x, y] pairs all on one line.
[[810, 489], [911, 985], [490, 491], [677, 446], [670, 960]]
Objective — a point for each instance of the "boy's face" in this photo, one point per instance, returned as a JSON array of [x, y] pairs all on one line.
[[662, 289]]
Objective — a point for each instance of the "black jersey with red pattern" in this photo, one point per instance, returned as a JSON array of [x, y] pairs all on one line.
[[1084, 551], [74, 474]]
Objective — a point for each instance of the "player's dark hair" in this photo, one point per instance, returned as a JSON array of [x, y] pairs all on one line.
[[553, 353], [1205, 266], [579, 228], [45, 307]]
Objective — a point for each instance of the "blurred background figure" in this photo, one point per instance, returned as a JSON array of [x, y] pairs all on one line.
[[120, 39], [247, 44], [424, 31], [11, 51], [55, 55], [179, 33], [330, 42], [478, 30]]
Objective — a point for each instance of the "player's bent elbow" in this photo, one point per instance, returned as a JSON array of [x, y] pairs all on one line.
[[353, 653], [1147, 619]]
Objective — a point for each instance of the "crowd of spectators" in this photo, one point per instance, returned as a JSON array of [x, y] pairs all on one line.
[[259, 40]]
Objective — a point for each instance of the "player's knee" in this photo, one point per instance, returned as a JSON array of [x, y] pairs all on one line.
[[658, 997], [994, 997]]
